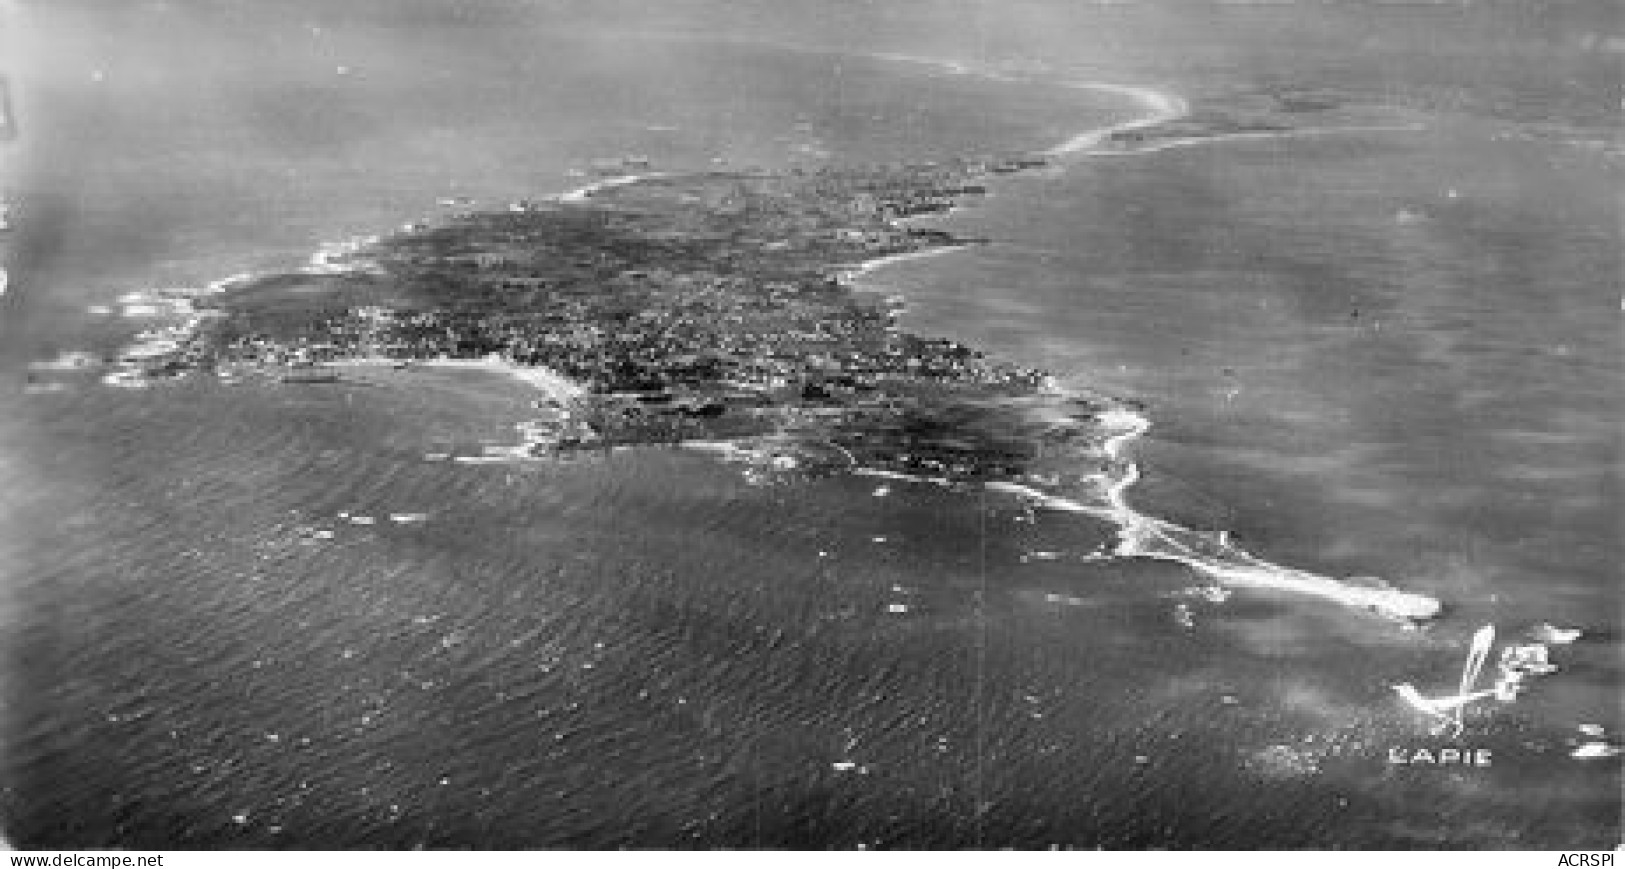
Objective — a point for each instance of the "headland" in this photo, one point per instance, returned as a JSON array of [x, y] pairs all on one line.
[[721, 310]]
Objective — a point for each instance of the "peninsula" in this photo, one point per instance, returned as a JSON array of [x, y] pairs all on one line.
[[719, 311], [706, 307]]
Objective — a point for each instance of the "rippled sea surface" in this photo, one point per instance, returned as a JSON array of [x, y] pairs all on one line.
[[1378, 355]]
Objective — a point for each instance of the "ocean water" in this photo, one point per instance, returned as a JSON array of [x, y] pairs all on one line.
[[1382, 354], [1409, 333], [1349, 368]]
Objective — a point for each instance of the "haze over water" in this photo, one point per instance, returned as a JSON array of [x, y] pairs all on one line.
[[1377, 353]]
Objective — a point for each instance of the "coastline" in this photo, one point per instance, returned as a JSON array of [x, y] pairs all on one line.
[[1160, 108], [1140, 535], [1260, 135], [585, 192], [553, 385], [402, 583], [859, 271]]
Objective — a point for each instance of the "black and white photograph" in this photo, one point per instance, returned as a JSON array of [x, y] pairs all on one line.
[[854, 425]]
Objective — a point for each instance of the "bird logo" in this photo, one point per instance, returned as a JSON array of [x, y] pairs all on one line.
[[1449, 711]]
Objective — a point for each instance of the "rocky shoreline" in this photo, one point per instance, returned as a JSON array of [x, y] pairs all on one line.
[[684, 308], [720, 311]]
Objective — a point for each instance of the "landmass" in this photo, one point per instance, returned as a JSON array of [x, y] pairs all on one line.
[[707, 307], [715, 311]]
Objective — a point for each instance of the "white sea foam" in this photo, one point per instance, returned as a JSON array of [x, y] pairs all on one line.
[[68, 360], [585, 192], [1252, 135], [1161, 107], [1140, 535], [555, 385], [1143, 536], [341, 257], [1547, 633], [848, 275]]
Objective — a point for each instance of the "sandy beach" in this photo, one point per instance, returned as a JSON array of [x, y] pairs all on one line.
[[551, 384], [1160, 108]]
